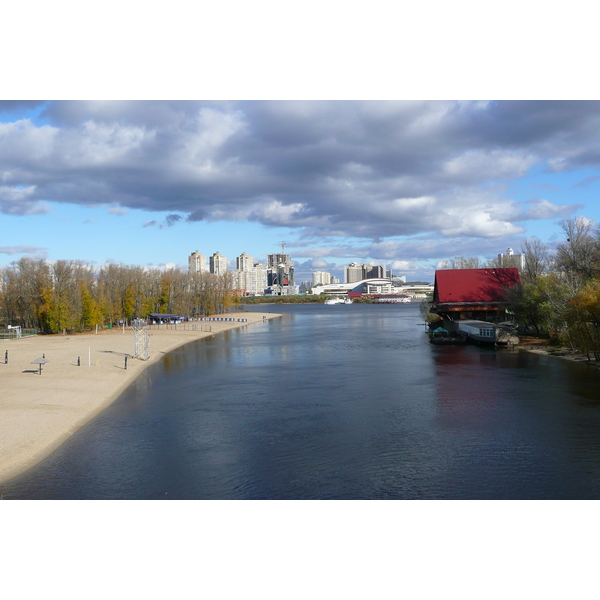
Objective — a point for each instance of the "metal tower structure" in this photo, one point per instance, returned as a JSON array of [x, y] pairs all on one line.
[[140, 333], [280, 268]]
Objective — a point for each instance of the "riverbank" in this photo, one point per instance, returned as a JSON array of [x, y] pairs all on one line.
[[541, 346], [38, 413]]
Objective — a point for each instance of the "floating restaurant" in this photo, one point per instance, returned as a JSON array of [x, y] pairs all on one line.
[[473, 303]]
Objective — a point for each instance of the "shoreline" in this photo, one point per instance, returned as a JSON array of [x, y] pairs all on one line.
[[39, 413], [540, 346]]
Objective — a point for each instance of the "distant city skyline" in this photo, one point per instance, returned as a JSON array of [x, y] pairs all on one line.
[[403, 185]]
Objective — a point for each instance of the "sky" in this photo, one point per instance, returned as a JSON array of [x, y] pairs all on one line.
[[405, 184], [252, 125]]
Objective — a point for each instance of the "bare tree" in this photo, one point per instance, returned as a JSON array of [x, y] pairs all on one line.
[[461, 262], [579, 256], [537, 259]]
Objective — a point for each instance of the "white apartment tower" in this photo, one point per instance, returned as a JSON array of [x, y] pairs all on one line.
[[252, 281], [197, 263], [218, 264], [244, 262], [321, 277]]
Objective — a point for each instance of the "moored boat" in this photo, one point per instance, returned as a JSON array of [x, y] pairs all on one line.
[[391, 300], [442, 336]]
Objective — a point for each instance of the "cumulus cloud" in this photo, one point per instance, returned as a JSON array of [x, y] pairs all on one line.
[[544, 209], [316, 264], [370, 170], [17, 200]]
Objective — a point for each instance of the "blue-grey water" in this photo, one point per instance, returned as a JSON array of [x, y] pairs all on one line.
[[337, 402]]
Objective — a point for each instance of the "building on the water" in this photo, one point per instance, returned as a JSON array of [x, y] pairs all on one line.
[[483, 332], [479, 294]]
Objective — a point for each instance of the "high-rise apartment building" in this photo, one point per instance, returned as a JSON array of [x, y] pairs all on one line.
[[197, 263], [356, 272], [218, 264], [374, 272], [244, 262], [251, 281], [321, 277]]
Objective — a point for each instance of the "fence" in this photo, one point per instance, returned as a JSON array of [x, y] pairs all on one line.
[[11, 334], [229, 319], [180, 326], [188, 326]]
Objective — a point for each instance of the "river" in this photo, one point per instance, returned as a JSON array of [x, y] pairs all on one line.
[[337, 402]]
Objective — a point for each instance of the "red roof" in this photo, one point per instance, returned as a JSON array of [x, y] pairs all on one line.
[[473, 285]]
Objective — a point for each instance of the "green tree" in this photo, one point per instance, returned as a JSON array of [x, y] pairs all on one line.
[[541, 304]]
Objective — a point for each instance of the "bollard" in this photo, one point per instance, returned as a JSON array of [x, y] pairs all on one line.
[[125, 363], [6, 357], [79, 361]]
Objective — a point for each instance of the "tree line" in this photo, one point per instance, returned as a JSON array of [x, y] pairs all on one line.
[[69, 295], [559, 295]]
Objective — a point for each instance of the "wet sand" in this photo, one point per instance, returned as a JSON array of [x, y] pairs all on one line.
[[38, 413]]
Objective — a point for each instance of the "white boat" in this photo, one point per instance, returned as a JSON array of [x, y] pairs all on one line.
[[391, 300], [334, 301], [348, 301]]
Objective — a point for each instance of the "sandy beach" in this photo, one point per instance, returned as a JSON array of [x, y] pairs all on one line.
[[38, 413]]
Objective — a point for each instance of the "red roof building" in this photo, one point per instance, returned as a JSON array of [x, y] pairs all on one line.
[[473, 293]]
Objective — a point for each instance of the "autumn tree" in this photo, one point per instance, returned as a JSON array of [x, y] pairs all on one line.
[[90, 314], [583, 318]]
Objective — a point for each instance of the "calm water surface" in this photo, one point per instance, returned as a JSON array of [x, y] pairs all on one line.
[[337, 402]]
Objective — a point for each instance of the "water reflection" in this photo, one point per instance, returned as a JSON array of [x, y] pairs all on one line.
[[332, 404]]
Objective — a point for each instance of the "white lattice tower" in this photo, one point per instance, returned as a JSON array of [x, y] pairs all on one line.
[[140, 333]]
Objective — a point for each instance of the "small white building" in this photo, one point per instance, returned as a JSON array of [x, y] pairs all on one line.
[[510, 259]]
